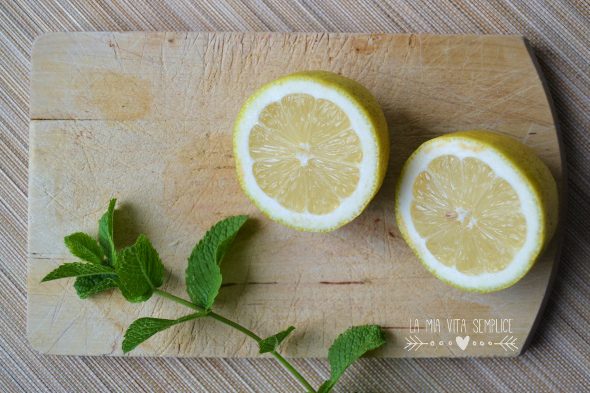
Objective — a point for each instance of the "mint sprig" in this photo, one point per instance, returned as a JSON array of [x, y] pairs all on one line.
[[143, 328], [140, 270], [348, 348], [87, 286], [203, 275], [106, 236], [78, 269], [139, 273], [85, 247], [99, 252], [271, 343]]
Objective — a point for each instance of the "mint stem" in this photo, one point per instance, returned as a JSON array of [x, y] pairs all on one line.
[[236, 326], [284, 362], [289, 367], [177, 299]]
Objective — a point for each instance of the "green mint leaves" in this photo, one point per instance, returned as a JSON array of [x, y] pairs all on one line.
[[91, 285], [77, 269], [348, 348], [271, 343], [106, 236], [143, 328], [87, 286], [84, 247], [140, 270], [203, 275], [95, 274]]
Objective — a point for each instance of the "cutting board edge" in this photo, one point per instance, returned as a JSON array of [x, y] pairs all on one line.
[[559, 236]]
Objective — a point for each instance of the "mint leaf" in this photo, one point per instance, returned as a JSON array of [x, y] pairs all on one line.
[[348, 347], [84, 247], [142, 329], [203, 276], [87, 286], [140, 270], [77, 269], [105, 233], [326, 387], [271, 343]]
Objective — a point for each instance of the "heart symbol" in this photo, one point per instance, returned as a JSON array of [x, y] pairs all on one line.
[[462, 342]]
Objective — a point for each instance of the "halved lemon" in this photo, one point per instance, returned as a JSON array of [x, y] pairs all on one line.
[[311, 149], [477, 208]]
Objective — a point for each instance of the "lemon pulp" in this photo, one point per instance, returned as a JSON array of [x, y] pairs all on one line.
[[305, 154], [470, 218]]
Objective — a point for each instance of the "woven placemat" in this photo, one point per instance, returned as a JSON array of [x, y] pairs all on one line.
[[558, 30]]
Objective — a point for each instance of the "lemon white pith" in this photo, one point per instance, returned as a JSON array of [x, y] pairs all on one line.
[[477, 208], [311, 149]]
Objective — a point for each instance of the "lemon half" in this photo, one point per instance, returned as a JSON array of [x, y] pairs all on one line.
[[477, 208], [311, 149]]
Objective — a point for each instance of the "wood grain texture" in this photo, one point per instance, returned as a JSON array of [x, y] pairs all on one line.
[[147, 117]]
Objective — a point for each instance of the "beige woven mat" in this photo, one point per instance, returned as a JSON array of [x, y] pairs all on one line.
[[558, 30]]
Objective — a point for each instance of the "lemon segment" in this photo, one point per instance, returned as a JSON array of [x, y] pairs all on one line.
[[477, 208], [311, 149]]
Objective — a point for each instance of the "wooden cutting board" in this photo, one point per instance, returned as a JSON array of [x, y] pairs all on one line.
[[147, 118]]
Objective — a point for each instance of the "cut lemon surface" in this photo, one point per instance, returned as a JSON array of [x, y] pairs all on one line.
[[311, 149], [477, 208]]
